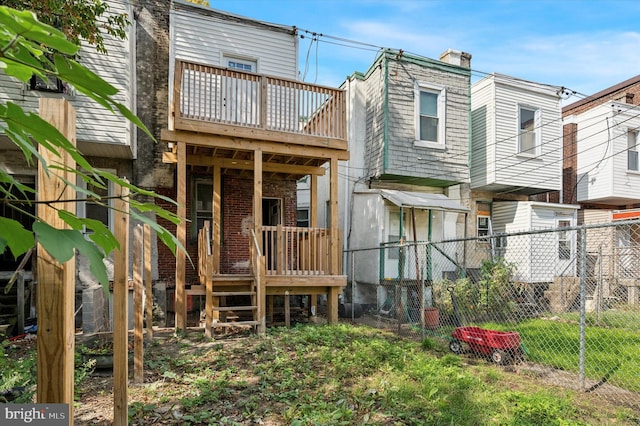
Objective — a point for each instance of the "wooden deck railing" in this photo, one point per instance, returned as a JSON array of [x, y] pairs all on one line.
[[291, 250], [224, 96]]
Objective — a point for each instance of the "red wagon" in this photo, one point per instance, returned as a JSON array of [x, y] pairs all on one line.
[[502, 346]]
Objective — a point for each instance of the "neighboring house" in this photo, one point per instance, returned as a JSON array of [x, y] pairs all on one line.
[[602, 175], [242, 131], [107, 140], [408, 131], [516, 151]]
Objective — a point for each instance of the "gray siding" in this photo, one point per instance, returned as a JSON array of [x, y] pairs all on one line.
[[374, 142], [406, 159]]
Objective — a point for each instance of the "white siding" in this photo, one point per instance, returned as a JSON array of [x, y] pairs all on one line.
[[367, 232], [482, 133], [94, 122], [513, 216], [595, 169], [625, 184], [502, 96], [206, 37]]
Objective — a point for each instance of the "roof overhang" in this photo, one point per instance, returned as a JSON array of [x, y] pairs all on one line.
[[421, 200]]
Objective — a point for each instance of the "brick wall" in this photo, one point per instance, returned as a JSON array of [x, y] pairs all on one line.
[[237, 218]]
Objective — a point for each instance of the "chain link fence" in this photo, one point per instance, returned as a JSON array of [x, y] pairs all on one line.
[[562, 302]]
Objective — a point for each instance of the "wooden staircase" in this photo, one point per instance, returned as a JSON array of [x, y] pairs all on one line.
[[234, 302]]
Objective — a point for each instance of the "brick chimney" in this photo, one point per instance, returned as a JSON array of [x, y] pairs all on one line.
[[456, 57]]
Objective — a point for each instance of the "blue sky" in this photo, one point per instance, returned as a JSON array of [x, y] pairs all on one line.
[[584, 45]]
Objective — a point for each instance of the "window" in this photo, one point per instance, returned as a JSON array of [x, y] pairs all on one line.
[[203, 202], [430, 120], [241, 64], [302, 218], [564, 240], [484, 221], [49, 84], [100, 210], [529, 131], [632, 151]]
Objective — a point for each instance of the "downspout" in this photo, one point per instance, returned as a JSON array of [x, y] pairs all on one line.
[[347, 191], [429, 235]]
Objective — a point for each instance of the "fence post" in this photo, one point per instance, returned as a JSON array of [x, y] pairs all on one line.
[[582, 247]]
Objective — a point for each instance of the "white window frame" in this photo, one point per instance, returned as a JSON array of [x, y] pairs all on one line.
[[81, 206], [441, 92], [564, 236], [632, 150], [253, 63], [537, 120]]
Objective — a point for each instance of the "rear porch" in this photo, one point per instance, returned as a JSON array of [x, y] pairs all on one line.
[[240, 129]]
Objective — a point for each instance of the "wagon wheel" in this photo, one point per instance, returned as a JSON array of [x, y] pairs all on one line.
[[500, 357], [456, 346], [518, 356]]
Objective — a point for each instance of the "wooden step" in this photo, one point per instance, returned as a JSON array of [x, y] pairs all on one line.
[[233, 293], [232, 324], [234, 308]]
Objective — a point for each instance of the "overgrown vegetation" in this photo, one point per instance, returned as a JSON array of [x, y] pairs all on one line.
[[492, 297], [341, 375]]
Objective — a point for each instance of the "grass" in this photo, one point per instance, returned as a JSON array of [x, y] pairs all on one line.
[[611, 345], [345, 375], [331, 375]]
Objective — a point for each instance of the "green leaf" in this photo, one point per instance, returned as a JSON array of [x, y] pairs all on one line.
[[26, 24], [13, 234], [101, 235], [62, 244]]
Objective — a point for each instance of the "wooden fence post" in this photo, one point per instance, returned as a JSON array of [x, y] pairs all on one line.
[[120, 308], [147, 281], [138, 308], [56, 283]]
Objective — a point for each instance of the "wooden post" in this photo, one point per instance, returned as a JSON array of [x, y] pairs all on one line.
[[287, 309], [56, 283], [121, 307], [181, 234], [216, 220], [147, 281], [335, 250], [208, 321], [313, 222], [138, 308], [257, 224]]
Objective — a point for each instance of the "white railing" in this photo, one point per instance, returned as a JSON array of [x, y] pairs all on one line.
[[219, 95], [291, 250]]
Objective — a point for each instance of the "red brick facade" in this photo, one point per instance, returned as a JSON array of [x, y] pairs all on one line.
[[237, 217]]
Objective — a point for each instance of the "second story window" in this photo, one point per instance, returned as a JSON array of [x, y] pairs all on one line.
[[240, 64], [632, 151], [430, 115], [529, 131]]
